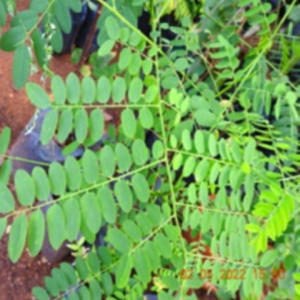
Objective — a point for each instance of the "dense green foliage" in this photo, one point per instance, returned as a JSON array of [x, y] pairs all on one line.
[[225, 111]]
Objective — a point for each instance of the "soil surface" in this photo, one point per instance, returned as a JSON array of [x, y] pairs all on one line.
[[17, 280]]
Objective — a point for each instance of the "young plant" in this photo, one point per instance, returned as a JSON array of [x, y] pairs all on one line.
[[197, 186]]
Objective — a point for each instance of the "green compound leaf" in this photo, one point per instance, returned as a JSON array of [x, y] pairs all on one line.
[[56, 226], [236, 151], [177, 161], [91, 212], [186, 140], [57, 177], [140, 152], [124, 59], [95, 290], [112, 28], [141, 187], [96, 124], [93, 262], [144, 223], [49, 126], [135, 90], [123, 157], [21, 66], [65, 125], [134, 39], [73, 88], [17, 238], [189, 166], [151, 93], [37, 95], [169, 82], [7, 202], [154, 255], [36, 232], [249, 154], [128, 122], [60, 278], [124, 34], [173, 141], [124, 195], [58, 89], [84, 293], [103, 89], [81, 268], [146, 118], [52, 286], [62, 14], [4, 140], [154, 214], [25, 188], [205, 118], [147, 66], [118, 89], [73, 173], [25, 18], [40, 293], [108, 285], [158, 149], [57, 38], [69, 271], [119, 240], [269, 258], [12, 38], [135, 64], [163, 245], [181, 64], [72, 215], [212, 145], [90, 166], [142, 265], [88, 90], [123, 271], [107, 204], [107, 161], [214, 172], [81, 125], [202, 169], [132, 230], [199, 142], [39, 48], [106, 48]]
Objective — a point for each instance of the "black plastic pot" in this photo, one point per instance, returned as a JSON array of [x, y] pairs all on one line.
[[77, 22], [144, 23], [145, 27], [85, 30], [81, 27]]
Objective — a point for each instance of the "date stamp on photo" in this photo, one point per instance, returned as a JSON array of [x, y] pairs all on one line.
[[230, 274]]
